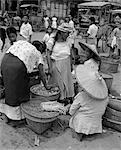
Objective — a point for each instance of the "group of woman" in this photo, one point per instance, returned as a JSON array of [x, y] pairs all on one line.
[[87, 107]]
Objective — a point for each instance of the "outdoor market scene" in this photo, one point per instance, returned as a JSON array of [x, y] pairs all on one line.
[[60, 75]]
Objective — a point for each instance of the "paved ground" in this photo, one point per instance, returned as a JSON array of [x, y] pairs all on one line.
[[57, 139]]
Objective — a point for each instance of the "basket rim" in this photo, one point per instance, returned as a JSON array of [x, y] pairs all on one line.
[[39, 120], [31, 90], [34, 114]]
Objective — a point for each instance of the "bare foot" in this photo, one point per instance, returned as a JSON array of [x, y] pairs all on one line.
[[76, 135]]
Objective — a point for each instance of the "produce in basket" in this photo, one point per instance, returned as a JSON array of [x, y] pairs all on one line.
[[34, 108], [40, 90]]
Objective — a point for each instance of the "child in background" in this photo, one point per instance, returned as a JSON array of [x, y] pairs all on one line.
[[47, 35], [26, 29], [12, 35]]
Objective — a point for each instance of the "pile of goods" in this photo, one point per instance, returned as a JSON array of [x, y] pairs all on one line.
[[54, 106], [112, 116], [40, 91]]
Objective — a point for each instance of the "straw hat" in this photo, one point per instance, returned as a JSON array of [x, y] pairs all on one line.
[[89, 47], [92, 83], [65, 28]]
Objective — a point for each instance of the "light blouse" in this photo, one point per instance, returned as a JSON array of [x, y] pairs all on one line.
[[27, 53], [26, 30]]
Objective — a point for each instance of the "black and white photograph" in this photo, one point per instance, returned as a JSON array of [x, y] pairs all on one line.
[[60, 74]]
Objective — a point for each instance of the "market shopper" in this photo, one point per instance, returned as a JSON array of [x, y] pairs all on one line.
[[90, 103], [59, 55], [92, 32], [26, 29], [19, 60]]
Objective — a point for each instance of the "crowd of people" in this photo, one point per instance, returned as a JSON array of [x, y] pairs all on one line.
[[56, 51]]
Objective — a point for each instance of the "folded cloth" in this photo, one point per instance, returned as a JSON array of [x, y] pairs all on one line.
[[54, 106]]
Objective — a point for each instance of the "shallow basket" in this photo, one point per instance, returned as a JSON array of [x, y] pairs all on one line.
[[38, 120], [52, 97], [108, 79], [38, 125], [109, 65]]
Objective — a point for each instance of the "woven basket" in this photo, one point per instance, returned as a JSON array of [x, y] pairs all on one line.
[[115, 104], [112, 114], [38, 125], [109, 65], [108, 79], [112, 124], [38, 120], [52, 97]]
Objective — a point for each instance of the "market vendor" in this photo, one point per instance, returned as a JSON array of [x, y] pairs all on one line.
[[19, 60], [90, 103]]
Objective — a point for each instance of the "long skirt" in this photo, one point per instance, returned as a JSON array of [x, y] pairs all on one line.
[[62, 77], [16, 82]]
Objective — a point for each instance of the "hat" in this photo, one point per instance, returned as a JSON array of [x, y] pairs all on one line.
[[92, 83], [89, 47], [65, 28]]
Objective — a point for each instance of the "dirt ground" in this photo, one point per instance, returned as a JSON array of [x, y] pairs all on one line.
[[56, 138]]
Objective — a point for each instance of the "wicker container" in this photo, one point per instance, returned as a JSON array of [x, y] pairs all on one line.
[[38, 120], [109, 65], [51, 97], [108, 79], [112, 114], [115, 103], [112, 124]]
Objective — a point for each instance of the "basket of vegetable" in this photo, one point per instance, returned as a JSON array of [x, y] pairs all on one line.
[[39, 91], [38, 119]]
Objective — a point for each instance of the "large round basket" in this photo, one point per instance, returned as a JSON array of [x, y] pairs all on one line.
[[112, 124], [41, 94], [108, 79], [109, 65], [37, 119], [112, 114], [115, 103]]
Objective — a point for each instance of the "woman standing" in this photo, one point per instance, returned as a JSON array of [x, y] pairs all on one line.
[[91, 101], [59, 55], [19, 60]]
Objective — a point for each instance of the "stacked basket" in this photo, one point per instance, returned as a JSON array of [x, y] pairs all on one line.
[[112, 116]]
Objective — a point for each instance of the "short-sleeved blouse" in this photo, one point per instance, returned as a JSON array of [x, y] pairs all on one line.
[[27, 53]]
